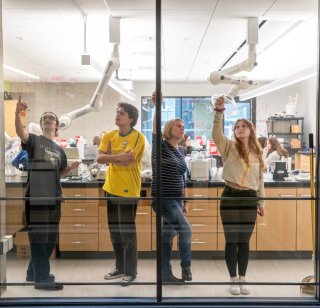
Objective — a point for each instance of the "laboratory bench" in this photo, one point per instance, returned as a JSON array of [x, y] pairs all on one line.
[[285, 227]]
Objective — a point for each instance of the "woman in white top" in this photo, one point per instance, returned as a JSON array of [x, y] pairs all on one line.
[[274, 151], [243, 175]]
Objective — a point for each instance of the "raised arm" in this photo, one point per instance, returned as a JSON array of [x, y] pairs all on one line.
[[218, 136], [21, 130], [153, 98]]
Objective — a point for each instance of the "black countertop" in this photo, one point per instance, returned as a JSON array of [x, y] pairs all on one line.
[[17, 181]]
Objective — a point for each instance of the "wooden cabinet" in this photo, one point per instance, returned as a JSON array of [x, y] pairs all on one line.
[[286, 225], [304, 225], [79, 226], [203, 218], [221, 237], [302, 162], [9, 119], [15, 215], [143, 225], [276, 230]]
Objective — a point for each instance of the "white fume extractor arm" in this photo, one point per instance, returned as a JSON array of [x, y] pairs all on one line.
[[96, 100], [225, 76]]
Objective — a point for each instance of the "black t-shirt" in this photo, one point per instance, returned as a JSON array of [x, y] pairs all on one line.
[[46, 160]]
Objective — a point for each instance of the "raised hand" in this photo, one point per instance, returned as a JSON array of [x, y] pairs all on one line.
[[153, 98], [219, 103], [21, 106]]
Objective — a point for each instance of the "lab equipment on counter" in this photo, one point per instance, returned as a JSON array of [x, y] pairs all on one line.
[[73, 155], [280, 171], [200, 169]]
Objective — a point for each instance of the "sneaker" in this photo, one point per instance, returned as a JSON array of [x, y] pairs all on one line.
[[234, 289], [127, 280], [172, 279], [244, 288], [116, 273], [30, 278], [186, 274]]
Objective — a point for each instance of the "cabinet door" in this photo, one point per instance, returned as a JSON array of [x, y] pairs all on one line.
[[15, 215], [143, 225], [304, 227], [276, 230]]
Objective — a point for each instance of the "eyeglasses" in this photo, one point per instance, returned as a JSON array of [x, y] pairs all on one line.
[[49, 117]]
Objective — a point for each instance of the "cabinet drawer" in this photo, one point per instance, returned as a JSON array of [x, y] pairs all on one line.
[[81, 193], [79, 209], [79, 225], [202, 208], [203, 224], [143, 220], [78, 242], [204, 241]]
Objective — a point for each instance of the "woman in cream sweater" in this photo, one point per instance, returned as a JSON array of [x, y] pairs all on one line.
[[243, 174]]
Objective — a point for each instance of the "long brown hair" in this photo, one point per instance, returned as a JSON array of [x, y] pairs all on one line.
[[276, 146], [254, 144]]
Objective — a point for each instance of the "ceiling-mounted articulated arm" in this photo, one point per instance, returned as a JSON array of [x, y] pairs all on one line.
[[96, 100], [225, 76]]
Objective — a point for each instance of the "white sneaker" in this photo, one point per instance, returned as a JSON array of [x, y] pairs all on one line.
[[234, 289], [244, 289]]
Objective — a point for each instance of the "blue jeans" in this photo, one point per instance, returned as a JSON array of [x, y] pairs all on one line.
[[174, 223]]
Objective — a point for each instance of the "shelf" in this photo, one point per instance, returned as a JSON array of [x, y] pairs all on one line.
[[284, 118], [276, 133]]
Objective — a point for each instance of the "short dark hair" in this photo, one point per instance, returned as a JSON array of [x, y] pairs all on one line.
[[132, 111]]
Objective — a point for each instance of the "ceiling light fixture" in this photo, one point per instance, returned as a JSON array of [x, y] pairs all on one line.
[[280, 83], [15, 70]]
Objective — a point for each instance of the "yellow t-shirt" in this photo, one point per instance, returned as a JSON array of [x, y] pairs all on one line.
[[124, 181]]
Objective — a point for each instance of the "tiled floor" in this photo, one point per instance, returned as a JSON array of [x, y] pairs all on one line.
[[208, 271]]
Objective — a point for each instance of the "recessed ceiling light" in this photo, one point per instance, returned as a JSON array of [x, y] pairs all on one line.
[[21, 38]]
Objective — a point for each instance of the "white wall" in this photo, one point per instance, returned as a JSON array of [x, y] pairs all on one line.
[[276, 101], [65, 97], [62, 98]]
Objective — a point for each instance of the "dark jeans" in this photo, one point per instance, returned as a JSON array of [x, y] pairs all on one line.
[[43, 223], [238, 219], [174, 223], [123, 234]]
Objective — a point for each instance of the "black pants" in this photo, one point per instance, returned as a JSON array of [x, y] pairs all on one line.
[[238, 219], [43, 226], [123, 234]]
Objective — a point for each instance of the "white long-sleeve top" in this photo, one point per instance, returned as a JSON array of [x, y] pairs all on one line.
[[273, 157], [235, 170]]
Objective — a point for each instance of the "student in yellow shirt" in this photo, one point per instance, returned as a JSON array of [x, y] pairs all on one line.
[[122, 150]]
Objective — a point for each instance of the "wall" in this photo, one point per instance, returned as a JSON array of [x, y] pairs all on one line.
[[65, 97], [275, 102], [62, 98]]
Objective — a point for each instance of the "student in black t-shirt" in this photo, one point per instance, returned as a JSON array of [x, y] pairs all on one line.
[[47, 163]]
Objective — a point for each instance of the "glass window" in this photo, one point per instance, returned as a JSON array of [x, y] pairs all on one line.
[[196, 112]]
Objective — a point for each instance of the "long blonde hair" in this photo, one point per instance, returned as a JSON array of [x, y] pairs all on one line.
[[254, 144]]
